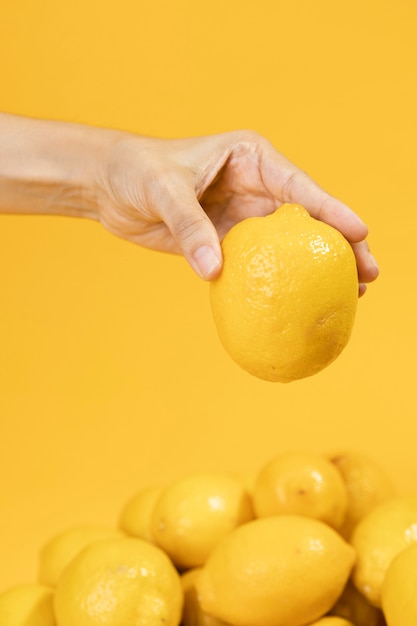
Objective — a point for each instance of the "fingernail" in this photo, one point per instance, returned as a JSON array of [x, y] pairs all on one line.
[[205, 261]]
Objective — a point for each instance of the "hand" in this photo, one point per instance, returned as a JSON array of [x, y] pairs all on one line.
[[183, 195], [179, 195]]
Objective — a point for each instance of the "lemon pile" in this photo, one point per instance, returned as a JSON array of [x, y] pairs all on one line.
[[313, 540]]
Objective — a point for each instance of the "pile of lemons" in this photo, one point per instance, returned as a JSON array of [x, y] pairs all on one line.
[[312, 539]]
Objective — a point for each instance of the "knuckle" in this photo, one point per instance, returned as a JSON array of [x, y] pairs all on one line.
[[187, 226], [251, 142], [291, 183], [252, 137]]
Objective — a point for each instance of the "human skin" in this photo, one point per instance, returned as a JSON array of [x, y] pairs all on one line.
[[172, 195]]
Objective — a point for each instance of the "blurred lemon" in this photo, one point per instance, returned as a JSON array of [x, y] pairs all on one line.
[[27, 605], [135, 518], [399, 591], [354, 607], [276, 571], [301, 483], [367, 486], [333, 621], [195, 512], [285, 302], [63, 547], [247, 478], [116, 582], [192, 614], [378, 538]]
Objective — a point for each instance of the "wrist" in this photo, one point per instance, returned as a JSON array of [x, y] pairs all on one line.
[[50, 167]]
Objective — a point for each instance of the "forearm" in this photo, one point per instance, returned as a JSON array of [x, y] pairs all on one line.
[[49, 167]]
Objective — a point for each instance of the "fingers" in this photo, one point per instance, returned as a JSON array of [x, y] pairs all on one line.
[[324, 207], [192, 230], [290, 184], [361, 290], [367, 266]]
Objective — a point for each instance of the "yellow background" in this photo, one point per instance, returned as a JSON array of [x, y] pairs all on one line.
[[111, 373]]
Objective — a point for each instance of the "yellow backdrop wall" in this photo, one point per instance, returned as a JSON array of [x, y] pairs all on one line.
[[111, 373]]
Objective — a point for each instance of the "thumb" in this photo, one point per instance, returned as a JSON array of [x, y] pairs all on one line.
[[193, 232]]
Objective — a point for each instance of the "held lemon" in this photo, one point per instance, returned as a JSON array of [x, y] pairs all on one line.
[[285, 302]]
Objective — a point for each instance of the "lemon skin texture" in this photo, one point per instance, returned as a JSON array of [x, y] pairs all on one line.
[[301, 483], [377, 539], [399, 590], [285, 302], [27, 605], [195, 512]]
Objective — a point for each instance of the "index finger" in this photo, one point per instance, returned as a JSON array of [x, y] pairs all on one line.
[[290, 184]]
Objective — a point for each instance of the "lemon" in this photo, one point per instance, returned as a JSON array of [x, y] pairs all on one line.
[[301, 483], [27, 605], [135, 518], [378, 538], [115, 582], [332, 621], [192, 614], [367, 485], [247, 478], [399, 597], [63, 547], [354, 607], [284, 304], [276, 571], [195, 512]]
